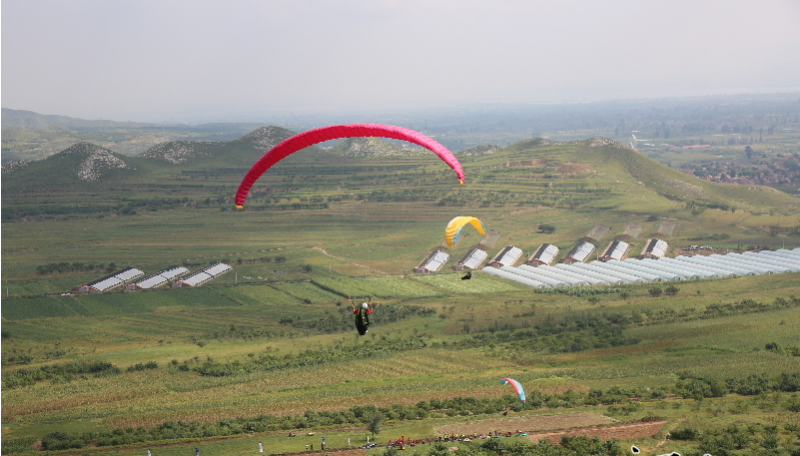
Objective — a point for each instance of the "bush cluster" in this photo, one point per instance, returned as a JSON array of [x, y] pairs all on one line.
[[341, 319], [59, 372], [752, 385]]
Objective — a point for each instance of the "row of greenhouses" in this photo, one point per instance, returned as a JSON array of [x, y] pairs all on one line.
[[646, 270]]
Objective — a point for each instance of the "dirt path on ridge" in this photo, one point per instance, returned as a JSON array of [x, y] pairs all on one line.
[[325, 252]]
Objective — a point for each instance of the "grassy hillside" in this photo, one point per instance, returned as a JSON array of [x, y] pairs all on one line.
[[268, 347]]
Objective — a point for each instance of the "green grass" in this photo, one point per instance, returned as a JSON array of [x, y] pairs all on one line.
[[480, 283]]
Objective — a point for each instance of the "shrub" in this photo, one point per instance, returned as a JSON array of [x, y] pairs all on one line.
[[672, 290], [685, 433], [655, 291]]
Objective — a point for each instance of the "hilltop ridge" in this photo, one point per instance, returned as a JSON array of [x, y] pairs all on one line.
[[372, 147], [264, 138], [597, 172], [177, 152]]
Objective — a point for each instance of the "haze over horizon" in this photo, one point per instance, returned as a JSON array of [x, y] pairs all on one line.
[[245, 60]]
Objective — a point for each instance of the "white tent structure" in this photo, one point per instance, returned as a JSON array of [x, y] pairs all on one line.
[[202, 276], [580, 252], [114, 280], [509, 256], [433, 262], [472, 259], [158, 279], [655, 248], [616, 250], [545, 254]]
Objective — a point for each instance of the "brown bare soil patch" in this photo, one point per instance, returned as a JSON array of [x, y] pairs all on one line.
[[617, 431], [525, 423], [576, 168], [525, 163]]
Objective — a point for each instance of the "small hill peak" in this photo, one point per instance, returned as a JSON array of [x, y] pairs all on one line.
[[603, 142], [94, 160], [266, 137], [538, 142], [485, 149]]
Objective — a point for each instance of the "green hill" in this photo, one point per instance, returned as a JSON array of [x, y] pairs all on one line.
[[81, 163], [635, 179], [596, 174]]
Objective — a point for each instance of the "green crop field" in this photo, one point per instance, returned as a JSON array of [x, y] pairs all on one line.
[[269, 348]]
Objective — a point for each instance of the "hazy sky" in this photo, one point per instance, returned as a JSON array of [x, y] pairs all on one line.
[[194, 60]]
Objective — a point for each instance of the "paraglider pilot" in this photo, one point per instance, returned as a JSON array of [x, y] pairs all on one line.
[[467, 276], [362, 313]]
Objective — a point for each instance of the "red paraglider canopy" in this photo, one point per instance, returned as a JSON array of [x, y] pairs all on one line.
[[318, 135]]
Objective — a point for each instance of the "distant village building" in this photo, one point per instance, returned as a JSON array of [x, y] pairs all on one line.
[[509, 256], [472, 260], [544, 255], [579, 253], [616, 250], [433, 262], [655, 248]]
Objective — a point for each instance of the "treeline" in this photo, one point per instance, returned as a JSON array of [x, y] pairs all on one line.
[[310, 357], [752, 385], [287, 207], [621, 401], [342, 318], [52, 268], [717, 310], [355, 415], [126, 207], [736, 439], [59, 373], [406, 195]]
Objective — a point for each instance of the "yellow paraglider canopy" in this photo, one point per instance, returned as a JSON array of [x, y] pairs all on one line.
[[454, 228]]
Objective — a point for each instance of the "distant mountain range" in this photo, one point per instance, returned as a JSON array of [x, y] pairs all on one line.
[[15, 118]]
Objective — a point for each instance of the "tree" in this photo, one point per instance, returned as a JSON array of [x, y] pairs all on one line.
[[655, 292], [374, 423], [547, 229], [748, 151], [672, 290]]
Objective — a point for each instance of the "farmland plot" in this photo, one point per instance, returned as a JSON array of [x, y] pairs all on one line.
[[20, 288], [146, 301], [479, 283], [397, 287], [382, 287], [37, 307], [265, 294], [307, 291]]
